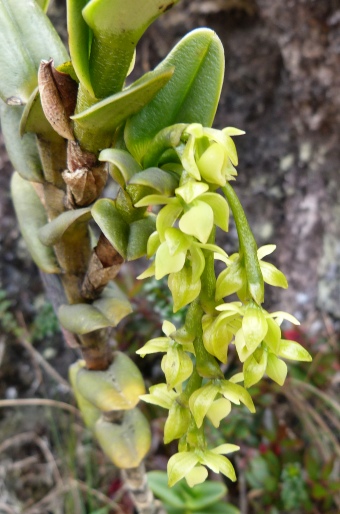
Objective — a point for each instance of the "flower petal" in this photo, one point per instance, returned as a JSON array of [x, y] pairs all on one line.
[[254, 326], [272, 275], [196, 476], [254, 369], [166, 263], [191, 190], [198, 221], [167, 217], [293, 351], [220, 209], [276, 369], [180, 465], [219, 410], [159, 344], [200, 402]]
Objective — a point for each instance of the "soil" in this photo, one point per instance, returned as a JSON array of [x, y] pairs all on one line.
[[281, 86]]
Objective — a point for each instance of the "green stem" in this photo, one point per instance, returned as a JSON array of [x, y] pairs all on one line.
[[206, 364], [248, 246], [208, 279], [193, 384]]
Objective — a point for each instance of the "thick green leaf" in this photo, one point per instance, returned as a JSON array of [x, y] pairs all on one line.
[[51, 233], [22, 151], [191, 96], [117, 27], [111, 223], [116, 388], [108, 114], [163, 181], [158, 482], [31, 217], [107, 311], [34, 120], [139, 233], [26, 37], [79, 39], [123, 164], [127, 443]]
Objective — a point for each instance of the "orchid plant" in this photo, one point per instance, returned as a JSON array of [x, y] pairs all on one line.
[[69, 123]]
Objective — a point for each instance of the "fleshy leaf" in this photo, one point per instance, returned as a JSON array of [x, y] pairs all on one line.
[[117, 388], [51, 233], [123, 165], [111, 223], [162, 181], [127, 443], [108, 114], [139, 233], [117, 27], [31, 217], [199, 62], [89, 412], [110, 308], [22, 151], [79, 40], [26, 37]]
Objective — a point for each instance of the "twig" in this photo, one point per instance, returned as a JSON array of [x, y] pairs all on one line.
[[31, 437], [28, 402], [57, 491], [100, 496], [39, 358]]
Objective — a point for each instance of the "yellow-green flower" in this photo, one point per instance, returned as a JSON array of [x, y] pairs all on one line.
[[234, 280]]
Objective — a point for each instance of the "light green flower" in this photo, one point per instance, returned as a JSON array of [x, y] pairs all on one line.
[[234, 280], [176, 363], [191, 464], [179, 416], [202, 402], [210, 154]]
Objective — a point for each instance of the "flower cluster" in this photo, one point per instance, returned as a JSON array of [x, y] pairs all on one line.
[[183, 247]]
